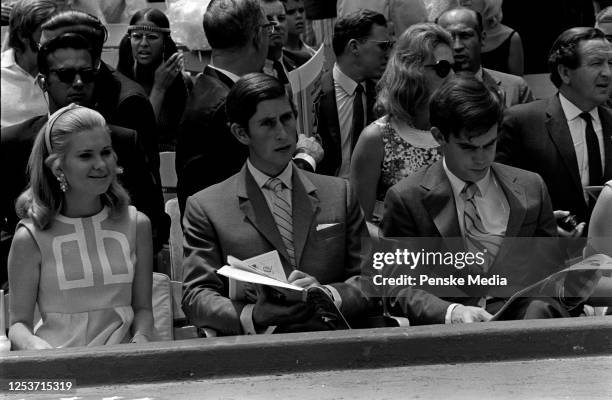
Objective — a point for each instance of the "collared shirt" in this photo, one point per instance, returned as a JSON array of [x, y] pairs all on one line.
[[345, 95], [225, 72], [21, 98], [491, 203], [577, 127], [268, 67], [261, 179]]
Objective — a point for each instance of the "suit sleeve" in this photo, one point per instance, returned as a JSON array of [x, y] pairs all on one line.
[[204, 302], [525, 93], [509, 143], [354, 299]]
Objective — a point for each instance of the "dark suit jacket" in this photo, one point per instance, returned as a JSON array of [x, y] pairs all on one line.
[[206, 151], [535, 137], [146, 195], [233, 218], [328, 125], [423, 205]]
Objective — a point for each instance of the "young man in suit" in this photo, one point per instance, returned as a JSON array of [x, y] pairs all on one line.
[[465, 26], [567, 139], [484, 204], [361, 43], [313, 221]]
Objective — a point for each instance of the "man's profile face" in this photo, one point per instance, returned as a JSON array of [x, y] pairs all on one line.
[[272, 136], [275, 12], [467, 43], [64, 63], [590, 83], [470, 158], [374, 52]]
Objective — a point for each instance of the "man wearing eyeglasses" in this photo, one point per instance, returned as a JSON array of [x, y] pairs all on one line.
[[465, 26], [68, 72], [361, 43]]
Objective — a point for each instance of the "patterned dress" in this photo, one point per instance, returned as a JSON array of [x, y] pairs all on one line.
[[86, 274], [403, 158]]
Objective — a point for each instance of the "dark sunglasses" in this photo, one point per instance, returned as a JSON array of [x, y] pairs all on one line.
[[384, 45], [294, 10], [441, 67], [67, 75]]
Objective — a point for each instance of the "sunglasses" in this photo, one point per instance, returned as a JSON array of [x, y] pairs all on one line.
[[384, 45], [268, 27], [442, 68], [67, 75], [294, 10]]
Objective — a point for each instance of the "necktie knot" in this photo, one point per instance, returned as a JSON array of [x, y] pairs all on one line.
[[469, 191], [274, 184], [359, 89], [586, 117]]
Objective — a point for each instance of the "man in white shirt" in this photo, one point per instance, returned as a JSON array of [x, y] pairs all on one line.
[[312, 221], [485, 205], [361, 43], [567, 139], [465, 26], [22, 97]]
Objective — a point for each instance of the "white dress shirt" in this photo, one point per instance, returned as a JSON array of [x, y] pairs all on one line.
[[577, 127], [344, 88], [21, 98]]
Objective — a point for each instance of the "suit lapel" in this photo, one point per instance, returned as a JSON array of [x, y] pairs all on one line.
[[305, 206], [559, 132], [440, 201], [494, 85], [606, 128], [255, 208]]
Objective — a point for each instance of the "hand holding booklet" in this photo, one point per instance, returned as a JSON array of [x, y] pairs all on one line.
[[267, 270]]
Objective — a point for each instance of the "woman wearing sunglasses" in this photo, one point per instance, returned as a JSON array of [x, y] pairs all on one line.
[[399, 143], [148, 55], [80, 252]]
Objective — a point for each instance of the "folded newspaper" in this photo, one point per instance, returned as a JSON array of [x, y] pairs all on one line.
[[584, 277], [266, 269]]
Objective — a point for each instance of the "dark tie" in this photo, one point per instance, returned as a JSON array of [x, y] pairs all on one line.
[[357, 126], [283, 215], [476, 236], [595, 171], [280, 72]]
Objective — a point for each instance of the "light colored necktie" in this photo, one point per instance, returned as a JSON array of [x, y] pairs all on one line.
[[476, 236], [281, 211]]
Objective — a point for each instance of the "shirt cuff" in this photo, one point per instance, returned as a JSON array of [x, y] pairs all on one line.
[[335, 295], [308, 158], [449, 312]]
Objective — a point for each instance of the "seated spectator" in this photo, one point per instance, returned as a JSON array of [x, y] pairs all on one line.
[[67, 75], [502, 48], [600, 227], [120, 100], [466, 195], [75, 204], [21, 97], [149, 56], [361, 43], [311, 220], [400, 143], [567, 138], [466, 27], [294, 47]]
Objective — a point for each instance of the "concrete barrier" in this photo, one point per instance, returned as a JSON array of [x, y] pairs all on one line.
[[317, 351]]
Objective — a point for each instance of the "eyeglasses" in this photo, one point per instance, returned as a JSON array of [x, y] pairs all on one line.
[[294, 10], [150, 36], [268, 27], [441, 67], [67, 75], [384, 45]]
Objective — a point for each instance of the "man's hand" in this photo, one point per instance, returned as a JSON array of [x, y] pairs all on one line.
[[468, 314], [302, 279], [577, 232], [266, 313], [310, 146]]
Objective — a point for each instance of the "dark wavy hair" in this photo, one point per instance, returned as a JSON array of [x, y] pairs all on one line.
[[356, 25]]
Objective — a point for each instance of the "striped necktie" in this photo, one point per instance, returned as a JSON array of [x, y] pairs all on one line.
[[281, 211], [476, 236]]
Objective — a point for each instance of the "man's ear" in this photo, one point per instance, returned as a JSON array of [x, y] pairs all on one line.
[[240, 133], [437, 134], [353, 47], [42, 82], [564, 73]]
